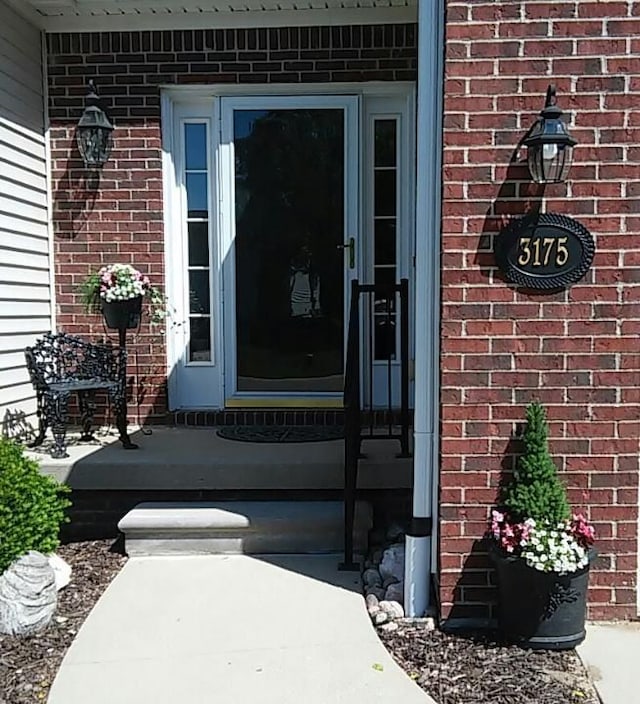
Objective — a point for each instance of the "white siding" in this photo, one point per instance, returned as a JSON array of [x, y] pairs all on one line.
[[25, 305]]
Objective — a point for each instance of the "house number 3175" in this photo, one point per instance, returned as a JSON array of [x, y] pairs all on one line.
[[542, 251]]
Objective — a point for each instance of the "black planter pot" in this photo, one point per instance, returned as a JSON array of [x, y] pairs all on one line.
[[540, 610], [122, 315]]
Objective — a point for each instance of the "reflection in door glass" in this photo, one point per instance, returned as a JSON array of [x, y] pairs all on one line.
[[289, 210]]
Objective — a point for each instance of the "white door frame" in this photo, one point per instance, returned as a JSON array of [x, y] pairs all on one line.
[[351, 228], [210, 385], [191, 385]]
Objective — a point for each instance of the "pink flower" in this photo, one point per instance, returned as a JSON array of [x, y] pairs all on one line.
[[582, 530]]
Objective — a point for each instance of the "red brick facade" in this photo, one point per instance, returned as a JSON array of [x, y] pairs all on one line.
[[575, 351]]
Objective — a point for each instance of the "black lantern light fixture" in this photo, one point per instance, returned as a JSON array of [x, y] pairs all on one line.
[[95, 132], [549, 144]]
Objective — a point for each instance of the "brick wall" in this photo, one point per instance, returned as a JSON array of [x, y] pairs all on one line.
[[576, 351], [121, 219]]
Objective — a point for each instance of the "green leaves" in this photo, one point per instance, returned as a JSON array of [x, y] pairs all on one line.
[[32, 506], [535, 490]]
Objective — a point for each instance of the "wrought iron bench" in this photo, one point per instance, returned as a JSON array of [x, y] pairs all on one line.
[[61, 365]]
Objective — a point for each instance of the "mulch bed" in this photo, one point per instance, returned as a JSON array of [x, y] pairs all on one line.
[[476, 668], [29, 665]]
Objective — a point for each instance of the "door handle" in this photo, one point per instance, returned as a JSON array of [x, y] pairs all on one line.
[[351, 246]]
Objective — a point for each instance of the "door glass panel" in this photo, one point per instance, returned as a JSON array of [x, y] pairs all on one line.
[[199, 291], [385, 143], [197, 195], [385, 219], [200, 340], [196, 180], [198, 243], [195, 138], [385, 244], [385, 192], [289, 223]]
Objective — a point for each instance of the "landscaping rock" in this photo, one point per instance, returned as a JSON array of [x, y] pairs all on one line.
[[380, 617], [378, 592], [389, 626], [372, 578], [373, 605], [392, 608], [28, 595], [392, 564], [395, 592], [61, 570]]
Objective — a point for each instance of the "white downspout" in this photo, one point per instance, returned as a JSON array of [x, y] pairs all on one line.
[[418, 563], [46, 124]]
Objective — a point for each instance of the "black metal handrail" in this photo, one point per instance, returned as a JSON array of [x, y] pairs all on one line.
[[378, 301]]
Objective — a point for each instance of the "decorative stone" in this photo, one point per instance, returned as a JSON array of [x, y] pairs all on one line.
[[380, 617], [395, 592], [389, 626], [28, 595], [61, 570], [372, 604], [378, 592], [429, 624], [372, 578], [392, 608], [392, 564], [388, 582]]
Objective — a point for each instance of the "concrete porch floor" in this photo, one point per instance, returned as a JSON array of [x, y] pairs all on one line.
[[179, 458]]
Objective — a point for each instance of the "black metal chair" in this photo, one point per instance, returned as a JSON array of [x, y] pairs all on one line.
[[61, 365]]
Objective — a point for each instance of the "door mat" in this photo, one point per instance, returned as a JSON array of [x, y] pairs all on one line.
[[281, 433]]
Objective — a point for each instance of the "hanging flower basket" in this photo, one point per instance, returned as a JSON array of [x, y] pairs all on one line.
[[117, 291], [122, 315]]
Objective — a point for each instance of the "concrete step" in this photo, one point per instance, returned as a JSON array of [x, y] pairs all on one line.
[[232, 527]]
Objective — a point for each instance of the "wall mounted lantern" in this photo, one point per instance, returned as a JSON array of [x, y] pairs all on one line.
[[95, 132], [549, 144]]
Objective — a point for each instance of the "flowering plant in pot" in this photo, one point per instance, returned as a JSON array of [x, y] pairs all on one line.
[[117, 290], [541, 550]]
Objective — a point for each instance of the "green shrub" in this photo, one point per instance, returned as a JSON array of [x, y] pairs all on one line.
[[32, 506], [535, 491]]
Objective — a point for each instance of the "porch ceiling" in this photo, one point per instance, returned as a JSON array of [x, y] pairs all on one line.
[[103, 15]]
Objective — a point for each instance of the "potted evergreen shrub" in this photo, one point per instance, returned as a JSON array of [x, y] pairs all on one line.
[[541, 552], [117, 291]]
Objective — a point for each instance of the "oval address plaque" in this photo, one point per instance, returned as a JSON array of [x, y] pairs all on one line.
[[546, 251]]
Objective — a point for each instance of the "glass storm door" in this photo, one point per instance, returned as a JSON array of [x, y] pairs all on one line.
[[291, 228]]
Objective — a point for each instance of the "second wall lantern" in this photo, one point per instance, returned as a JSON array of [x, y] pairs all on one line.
[[549, 144]]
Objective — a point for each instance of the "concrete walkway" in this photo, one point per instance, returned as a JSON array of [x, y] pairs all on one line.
[[229, 630], [611, 653]]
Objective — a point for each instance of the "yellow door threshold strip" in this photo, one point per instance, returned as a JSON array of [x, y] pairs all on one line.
[[283, 402]]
